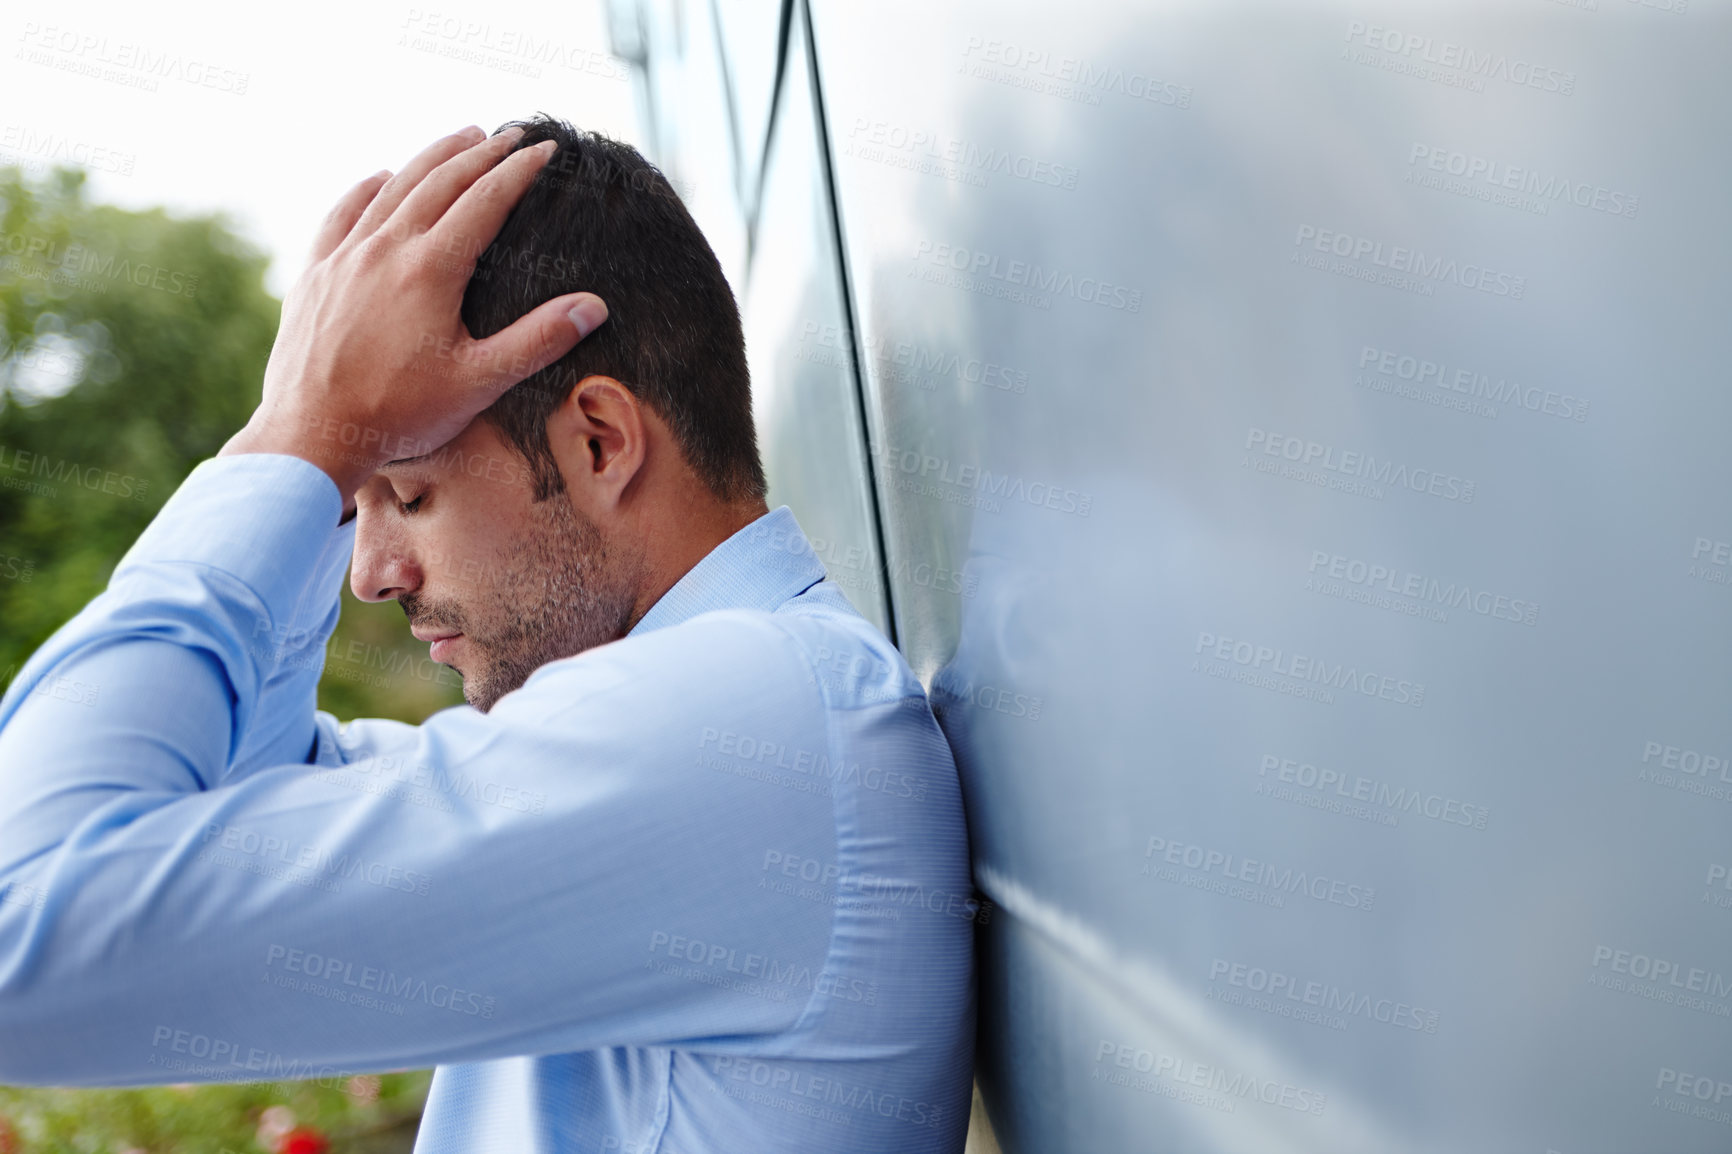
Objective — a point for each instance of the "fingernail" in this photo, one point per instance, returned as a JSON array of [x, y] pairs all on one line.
[[512, 133], [474, 130], [548, 146], [587, 314]]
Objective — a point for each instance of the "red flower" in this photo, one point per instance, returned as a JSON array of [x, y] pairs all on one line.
[[9, 1143], [303, 1141]]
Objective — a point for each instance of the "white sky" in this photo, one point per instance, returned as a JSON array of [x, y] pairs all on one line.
[[332, 92]]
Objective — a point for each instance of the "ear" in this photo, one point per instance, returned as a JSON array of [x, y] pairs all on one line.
[[598, 437]]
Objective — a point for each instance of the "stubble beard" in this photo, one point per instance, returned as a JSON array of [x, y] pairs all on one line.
[[560, 592]]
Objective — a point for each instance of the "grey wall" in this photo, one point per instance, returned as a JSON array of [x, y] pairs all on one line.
[[1290, 440]]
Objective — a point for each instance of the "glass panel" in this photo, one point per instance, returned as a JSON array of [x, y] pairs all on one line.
[[802, 379], [1324, 410]]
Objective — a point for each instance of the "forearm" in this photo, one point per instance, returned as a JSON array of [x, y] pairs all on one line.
[[236, 569], [475, 887], [282, 729]]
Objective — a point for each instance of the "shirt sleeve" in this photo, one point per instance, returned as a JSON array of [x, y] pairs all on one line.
[[575, 869]]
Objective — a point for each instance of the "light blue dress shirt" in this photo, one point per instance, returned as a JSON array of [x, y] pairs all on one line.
[[704, 889]]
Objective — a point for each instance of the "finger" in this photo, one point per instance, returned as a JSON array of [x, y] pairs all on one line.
[[478, 214], [342, 218], [401, 185], [536, 340], [434, 195]]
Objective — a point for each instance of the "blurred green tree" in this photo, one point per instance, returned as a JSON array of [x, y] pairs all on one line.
[[132, 345]]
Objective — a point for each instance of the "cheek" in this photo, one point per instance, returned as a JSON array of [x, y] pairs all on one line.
[[470, 534]]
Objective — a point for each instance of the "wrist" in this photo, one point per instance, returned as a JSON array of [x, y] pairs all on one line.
[[348, 465]]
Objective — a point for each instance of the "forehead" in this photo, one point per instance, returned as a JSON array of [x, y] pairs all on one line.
[[478, 452]]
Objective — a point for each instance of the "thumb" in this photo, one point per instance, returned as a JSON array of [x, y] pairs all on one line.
[[536, 340]]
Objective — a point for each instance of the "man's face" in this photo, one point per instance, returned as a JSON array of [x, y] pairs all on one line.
[[501, 584]]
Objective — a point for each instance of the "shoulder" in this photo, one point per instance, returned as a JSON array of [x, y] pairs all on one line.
[[810, 648], [849, 658], [721, 680], [722, 652], [770, 685]]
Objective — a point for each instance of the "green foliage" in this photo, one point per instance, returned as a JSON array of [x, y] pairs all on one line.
[[165, 325], [167, 376], [371, 1115], [132, 346]]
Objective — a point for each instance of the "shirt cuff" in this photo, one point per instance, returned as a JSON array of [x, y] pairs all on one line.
[[267, 519]]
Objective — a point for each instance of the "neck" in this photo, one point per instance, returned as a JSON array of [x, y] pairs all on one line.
[[674, 548]]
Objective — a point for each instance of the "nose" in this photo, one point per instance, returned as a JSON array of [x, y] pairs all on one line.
[[382, 567]]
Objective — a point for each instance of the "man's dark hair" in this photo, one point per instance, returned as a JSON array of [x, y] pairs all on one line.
[[602, 219]]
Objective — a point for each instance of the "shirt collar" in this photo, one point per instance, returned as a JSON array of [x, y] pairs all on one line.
[[762, 566]]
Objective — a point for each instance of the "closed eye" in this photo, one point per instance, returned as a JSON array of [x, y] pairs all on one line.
[[408, 507]]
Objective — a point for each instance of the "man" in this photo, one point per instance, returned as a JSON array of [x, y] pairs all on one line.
[[689, 873]]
